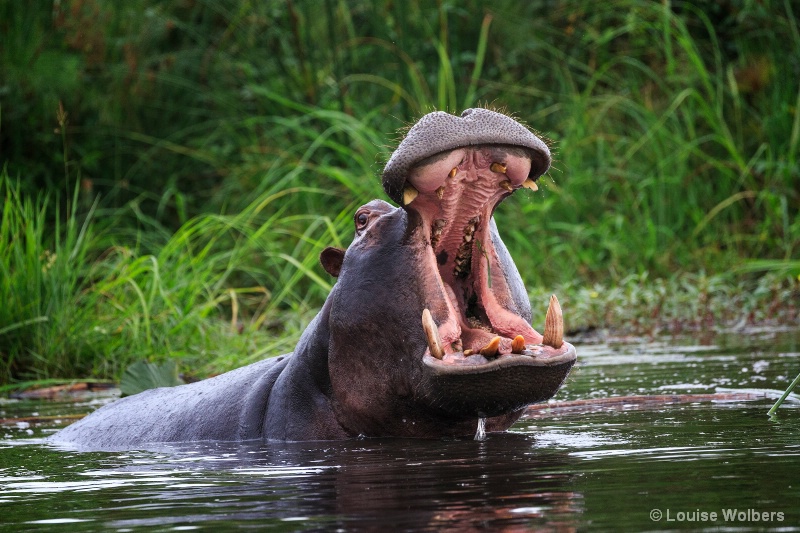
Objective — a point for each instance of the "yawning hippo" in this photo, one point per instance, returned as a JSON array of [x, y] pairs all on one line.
[[426, 331]]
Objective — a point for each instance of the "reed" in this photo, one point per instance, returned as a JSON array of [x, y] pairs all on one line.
[[223, 290]]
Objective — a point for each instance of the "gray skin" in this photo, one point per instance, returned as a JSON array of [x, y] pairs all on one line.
[[363, 366]]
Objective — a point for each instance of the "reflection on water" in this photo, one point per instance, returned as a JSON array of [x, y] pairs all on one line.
[[608, 468]]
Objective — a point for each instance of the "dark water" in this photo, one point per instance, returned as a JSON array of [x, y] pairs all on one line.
[[607, 468]]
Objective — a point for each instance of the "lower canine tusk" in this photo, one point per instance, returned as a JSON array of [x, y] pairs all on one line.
[[432, 335], [553, 325]]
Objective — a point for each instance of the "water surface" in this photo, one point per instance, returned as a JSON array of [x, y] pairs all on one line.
[[628, 466]]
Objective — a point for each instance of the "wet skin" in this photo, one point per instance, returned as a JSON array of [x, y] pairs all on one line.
[[426, 330]]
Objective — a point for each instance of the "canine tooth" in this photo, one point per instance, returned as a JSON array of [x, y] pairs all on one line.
[[490, 350], [432, 335], [505, 184], [409, 193], [518, 344], [453, 172], [440, 192], [498, 167], [553, 325], [530, 184]]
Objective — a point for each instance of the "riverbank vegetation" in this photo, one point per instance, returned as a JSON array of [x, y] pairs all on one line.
[[171, 170]]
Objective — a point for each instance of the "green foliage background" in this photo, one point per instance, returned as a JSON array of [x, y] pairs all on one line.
[[202, 152]]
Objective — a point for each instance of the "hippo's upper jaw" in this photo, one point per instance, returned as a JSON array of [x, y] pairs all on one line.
[[483, 357]]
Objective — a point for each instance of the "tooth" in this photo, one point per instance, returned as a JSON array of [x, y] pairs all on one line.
[[409, 193], [518, 344], [530, 184], [468, 352], [553, 325], [457, 345], [452, 172], [498, 167], [432, 334], [490, 350], [440, 192], [505, 184]]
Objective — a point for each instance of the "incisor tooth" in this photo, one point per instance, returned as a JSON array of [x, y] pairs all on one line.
[[518, 344], [490, 350], [530, 184], [505, 184], [553, 325], [500, 168], [409, 193], [432, 335]]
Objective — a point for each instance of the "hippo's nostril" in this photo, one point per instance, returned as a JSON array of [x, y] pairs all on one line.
[[467, 112]]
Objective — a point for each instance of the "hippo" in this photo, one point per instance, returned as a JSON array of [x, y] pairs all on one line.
[[425, 334]]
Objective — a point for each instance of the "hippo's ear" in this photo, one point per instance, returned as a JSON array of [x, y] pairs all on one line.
[[331, 259]]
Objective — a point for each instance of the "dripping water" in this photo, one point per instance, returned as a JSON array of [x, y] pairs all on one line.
[[480, 434]]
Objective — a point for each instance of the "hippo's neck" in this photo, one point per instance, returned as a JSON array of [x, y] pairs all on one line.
[[299, 405]]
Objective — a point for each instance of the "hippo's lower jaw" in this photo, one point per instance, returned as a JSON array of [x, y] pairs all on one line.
[[483, 357], [496, 387]]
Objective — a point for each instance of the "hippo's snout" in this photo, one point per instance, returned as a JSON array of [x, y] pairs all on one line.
[[440, 132]]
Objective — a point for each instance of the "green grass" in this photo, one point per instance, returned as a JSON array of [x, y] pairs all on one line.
[[220, 292], [177, 166]]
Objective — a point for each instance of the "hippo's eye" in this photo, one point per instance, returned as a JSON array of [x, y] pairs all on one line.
[[361, 220]]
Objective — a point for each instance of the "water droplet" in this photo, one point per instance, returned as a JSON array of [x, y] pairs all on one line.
[[480, 434]]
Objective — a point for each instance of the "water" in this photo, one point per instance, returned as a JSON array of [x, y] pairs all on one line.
[[622, 467]]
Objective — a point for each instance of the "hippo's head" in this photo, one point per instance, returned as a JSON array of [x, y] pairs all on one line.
[[429, 321]]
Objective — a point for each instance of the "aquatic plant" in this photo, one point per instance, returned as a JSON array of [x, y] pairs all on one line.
[[786, 393]]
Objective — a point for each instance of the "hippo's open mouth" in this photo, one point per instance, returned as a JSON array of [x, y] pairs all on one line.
[[482, 353], [455, 193]]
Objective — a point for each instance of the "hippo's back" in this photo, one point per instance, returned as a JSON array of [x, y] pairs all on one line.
[[227, 407]]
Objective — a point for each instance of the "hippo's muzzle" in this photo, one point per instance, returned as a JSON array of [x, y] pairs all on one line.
[[483, 358]]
